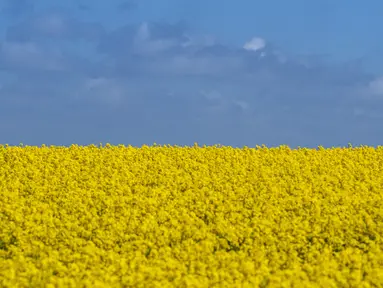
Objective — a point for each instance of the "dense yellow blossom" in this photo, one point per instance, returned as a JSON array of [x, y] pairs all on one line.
[[115, 216]]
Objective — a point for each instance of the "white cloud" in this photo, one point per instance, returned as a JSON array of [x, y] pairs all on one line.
[[192, 65], [120, 79], [143, 44], [217, 102], [17, 51], [56, 25], [211, 95], [104, 90], [358, 112], [30, 55], [369, 114], [143, 32], [376, 86], [205, 41], [51, 24], [255, 44], [242, 104]]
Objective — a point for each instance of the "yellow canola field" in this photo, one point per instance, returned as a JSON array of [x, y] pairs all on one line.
[[115, 216]]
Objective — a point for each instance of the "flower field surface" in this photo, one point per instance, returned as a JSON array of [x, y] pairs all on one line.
[[116, 216]]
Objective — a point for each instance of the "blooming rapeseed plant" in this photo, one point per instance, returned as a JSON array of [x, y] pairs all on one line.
[[167, 216]]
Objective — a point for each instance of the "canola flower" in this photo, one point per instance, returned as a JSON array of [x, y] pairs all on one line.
[[116, 216]]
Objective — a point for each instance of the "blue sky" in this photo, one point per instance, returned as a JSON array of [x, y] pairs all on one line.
[[297, 73]]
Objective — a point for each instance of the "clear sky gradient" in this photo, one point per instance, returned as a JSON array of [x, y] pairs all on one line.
[[299, 73]]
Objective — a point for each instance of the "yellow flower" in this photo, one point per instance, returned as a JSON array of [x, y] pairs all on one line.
[[163, 216]]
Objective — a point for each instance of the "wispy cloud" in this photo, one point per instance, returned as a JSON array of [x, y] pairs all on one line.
[[376, 86], [159, 81], [17, 8], [54, 24], [127, 5], [30, 56], [255, 44]]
